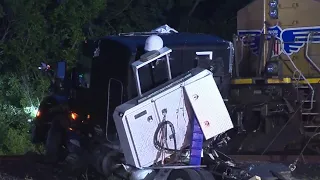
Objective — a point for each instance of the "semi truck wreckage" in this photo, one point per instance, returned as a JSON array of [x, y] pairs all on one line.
[[170, 105], [162, 133]]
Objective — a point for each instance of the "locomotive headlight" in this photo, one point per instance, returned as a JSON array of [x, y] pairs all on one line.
[[273, 9], [272, 69], [274, 14], [273, 3]]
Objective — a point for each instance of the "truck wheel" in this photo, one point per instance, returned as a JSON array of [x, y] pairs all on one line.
[[184, 174], [54, 142]]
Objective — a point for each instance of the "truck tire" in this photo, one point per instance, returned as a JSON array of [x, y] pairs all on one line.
[[184, 174], [54, 142]]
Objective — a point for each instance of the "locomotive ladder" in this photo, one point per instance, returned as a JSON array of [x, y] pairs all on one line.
[[307, 92], [309, 116]]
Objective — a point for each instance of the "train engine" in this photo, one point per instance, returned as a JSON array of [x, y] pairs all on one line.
[[276, 77]]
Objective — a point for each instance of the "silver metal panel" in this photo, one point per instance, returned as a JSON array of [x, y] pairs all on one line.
[[136, 131], [209, 107]]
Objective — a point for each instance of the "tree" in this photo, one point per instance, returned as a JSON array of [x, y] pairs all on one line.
[[35, 31]]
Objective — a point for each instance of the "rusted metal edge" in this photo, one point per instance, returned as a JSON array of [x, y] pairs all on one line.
[[276, 158]]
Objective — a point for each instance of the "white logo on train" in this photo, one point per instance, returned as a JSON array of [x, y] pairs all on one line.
[[287, 41]]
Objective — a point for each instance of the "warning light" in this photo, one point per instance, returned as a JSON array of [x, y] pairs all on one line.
[[38, 114], [74, 116]]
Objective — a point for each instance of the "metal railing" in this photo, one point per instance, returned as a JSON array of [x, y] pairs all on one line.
[[299, 78], [307, 50], [238, 58]]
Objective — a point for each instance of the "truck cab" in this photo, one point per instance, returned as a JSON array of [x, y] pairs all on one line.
[[106, 79]]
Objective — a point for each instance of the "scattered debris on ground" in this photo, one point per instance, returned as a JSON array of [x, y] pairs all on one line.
[[29, 167]]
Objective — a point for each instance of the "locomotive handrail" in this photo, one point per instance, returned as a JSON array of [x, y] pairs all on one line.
[[242, 46], [300, 106], [303, 77], [236, 55], [307, 51], [231, 56], [237, 59]]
